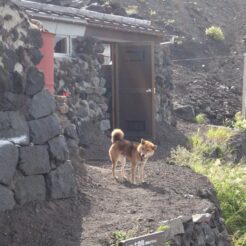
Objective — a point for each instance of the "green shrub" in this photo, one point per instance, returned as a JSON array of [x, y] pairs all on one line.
[[201, 118], [119, 236], [229, 181], [215, 33], [162, 228], [239, 123]]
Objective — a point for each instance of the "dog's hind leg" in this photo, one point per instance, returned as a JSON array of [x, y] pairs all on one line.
[[123, 163]]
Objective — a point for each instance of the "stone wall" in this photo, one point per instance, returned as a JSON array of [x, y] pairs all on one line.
[[81, 78], [33, 153], [206, 229], [164, 86]]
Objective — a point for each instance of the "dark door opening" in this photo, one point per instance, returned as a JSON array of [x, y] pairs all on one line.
[[133, 90]]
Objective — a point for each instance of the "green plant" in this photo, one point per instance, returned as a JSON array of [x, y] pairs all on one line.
[[162, 228], [201, 118], [239, 122], [215, 33], [152, 12], [132, 9], [118, 236], [229, 181]]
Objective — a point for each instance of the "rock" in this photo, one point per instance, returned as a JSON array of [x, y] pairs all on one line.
[[84, 110], [175, 226], [201, 218], [7, 201], [61, 182], [105, 125], [58, 149], [44, 129], [14, 127], [209, 235], [34, 160], [35, 81], [71, 132], [8, 161], [30, 188], [185, 112], [35, 55], [42, 104], [12, 102]]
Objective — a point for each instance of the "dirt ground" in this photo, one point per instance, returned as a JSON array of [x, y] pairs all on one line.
[[104, 205]]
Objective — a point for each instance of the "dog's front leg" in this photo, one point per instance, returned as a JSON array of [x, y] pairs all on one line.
[[142, 171], [134, 164]]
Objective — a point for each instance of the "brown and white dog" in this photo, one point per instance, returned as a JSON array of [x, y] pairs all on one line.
[[137, 153]]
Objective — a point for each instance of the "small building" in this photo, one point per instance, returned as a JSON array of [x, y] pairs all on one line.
[[129, 51]]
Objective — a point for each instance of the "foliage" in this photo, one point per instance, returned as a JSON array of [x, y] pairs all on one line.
[[119, 236], [132, 9], [201, 118], [228, 180], [162, 228], [239, 123], [215, 33]]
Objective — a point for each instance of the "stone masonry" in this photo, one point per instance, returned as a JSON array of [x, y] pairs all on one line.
[[33, 153]]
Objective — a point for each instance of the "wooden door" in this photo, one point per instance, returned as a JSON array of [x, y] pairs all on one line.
[[134, 90]]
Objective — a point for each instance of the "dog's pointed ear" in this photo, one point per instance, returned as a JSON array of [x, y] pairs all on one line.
[[142, 141], [154, 147]]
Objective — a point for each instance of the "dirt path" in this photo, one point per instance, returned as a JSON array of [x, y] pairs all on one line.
[[170, 191]]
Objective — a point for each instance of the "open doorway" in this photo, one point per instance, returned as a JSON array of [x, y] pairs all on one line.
[[130, 86]]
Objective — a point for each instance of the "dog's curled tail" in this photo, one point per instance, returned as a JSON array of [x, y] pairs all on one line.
[[116, 135]]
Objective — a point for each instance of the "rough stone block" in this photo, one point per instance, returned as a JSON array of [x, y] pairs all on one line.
[[35, 81], [71, 132], [30, 188], [42, 104], [8, 161], [175, 226], [13, 127], [34, 160], [44, 129], [105, 125], [185, 112], [201, 218], [58, 148], [61, 182], [7, 201]]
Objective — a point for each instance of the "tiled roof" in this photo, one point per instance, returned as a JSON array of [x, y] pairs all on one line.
[[87, 17]]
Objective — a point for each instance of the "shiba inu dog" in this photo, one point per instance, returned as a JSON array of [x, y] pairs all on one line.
[[137, 153]]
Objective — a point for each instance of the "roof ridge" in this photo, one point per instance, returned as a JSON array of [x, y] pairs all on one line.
[[83, 12]]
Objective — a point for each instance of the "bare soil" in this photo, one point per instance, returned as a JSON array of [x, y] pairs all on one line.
[[104, 205]]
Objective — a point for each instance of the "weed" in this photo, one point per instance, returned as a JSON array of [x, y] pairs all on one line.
[[118, 236], [239, 123], [132, 9], [152, 12], [215, 33], [201, 118], [162, 228]]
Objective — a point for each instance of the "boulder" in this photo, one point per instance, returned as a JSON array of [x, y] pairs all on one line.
[[58, 148], [7, 201], [71, 132], [34, 160], [105, 125], [42, 104], [30, 188], [35, 81], [185, 112], [42, 130], [8, 161], [14, 127], [61, 182]]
